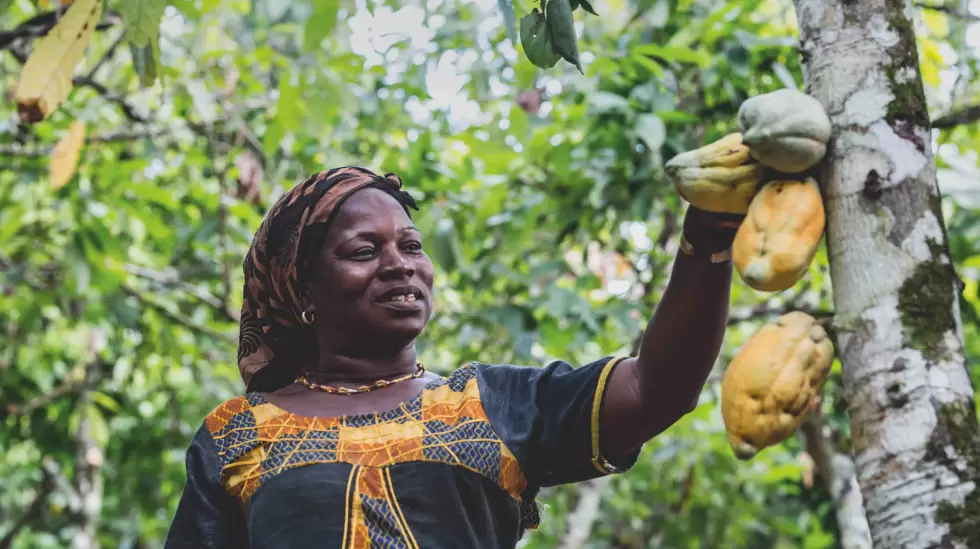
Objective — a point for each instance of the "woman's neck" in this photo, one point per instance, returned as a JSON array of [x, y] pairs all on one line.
[[343, 367]]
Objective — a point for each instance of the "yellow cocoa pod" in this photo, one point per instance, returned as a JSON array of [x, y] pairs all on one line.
[[786, 129], [718, 177], [773, 381], [780, 234]]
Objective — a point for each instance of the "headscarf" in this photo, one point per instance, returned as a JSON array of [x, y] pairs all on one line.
[[274, 344]]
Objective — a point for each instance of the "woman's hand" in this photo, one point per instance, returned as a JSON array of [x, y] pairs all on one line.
[[710, 232]]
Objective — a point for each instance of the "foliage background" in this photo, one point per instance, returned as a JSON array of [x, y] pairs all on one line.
[[543, 202]]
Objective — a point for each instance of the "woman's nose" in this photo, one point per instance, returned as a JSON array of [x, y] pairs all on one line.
[[396, 264]]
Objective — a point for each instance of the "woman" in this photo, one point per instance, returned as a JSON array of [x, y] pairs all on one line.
[[344, 440]]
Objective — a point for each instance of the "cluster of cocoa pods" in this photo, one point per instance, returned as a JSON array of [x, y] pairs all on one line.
[[761, 171]]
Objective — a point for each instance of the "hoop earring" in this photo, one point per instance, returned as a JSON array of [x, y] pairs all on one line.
[[308, 316]]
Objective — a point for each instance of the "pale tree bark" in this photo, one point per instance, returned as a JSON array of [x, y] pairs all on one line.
[[913, 423], [838, 475], [583, 516], [88, 455], [88, 480]]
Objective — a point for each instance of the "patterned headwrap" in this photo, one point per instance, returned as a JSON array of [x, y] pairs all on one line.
[[274, 344]]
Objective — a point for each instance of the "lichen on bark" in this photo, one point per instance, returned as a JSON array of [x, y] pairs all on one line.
[[957, 428], [925, 302], [909, 96]]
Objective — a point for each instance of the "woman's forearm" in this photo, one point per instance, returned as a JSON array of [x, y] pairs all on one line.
[[683, 338], [681, 341]]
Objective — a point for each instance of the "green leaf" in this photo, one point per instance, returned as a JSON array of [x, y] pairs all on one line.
[[105, 401], [204, 102], [141, 19], [561, 27], [604, 102], [675, 53], [288, 106], [146, 60], [650, 128], [320, 24], [536, 40], [510, 19], [98, 428], [650, 64]]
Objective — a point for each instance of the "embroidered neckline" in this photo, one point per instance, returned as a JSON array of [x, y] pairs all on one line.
[[399, 409]]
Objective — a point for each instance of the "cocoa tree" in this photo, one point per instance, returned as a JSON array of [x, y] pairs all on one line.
[[899, 334]]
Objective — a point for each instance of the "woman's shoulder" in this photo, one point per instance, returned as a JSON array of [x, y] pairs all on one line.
[[234, 413]]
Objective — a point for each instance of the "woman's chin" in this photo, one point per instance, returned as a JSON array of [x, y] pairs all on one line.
[[400, 329]]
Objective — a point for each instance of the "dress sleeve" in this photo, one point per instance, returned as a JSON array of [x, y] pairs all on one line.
[[550, 418], [207, 516]]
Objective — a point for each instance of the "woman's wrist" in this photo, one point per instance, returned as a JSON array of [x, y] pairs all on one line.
[[709, 234]]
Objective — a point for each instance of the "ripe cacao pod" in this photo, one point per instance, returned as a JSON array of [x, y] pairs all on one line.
[[776, 242], [773, 381], [786, 129], [718, 177]]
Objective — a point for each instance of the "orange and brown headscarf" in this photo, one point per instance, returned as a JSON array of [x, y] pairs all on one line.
[[274, 344]]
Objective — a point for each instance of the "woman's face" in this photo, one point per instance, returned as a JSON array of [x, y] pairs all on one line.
[[371, 282]]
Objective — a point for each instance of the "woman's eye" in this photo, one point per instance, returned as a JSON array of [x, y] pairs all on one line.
[[414, 246], [362, 253]]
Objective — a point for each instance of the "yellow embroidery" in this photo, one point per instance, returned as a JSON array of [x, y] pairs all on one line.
[[349, 502], [373, 518], [445, 424], [398, 512]]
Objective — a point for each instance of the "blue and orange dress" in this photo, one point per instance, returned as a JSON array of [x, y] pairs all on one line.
[[458, 466]]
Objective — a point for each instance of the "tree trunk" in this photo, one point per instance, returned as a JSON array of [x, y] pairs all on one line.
[[88, 479], [916, 444], [583, 517], [837, 473]]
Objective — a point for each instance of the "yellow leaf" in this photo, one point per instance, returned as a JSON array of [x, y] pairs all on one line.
[[64, 157], [936, 21], [932, 63], [46, 79]]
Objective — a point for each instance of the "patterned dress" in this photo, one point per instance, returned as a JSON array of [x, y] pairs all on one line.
[[458, 466]]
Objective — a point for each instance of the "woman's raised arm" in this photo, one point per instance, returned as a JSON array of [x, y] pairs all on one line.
[[646, 394]]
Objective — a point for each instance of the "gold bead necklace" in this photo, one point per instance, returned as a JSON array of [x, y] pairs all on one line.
[[380, 384]]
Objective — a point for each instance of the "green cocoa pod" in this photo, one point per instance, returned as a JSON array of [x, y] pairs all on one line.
[[536, 40], [561, 26]]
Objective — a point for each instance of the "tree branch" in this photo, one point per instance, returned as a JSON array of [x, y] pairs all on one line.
[[958, 117], [128, 110], [45, 487], [172, 280], [88, 476], [71, 385], [222, 213], [110, 137], [62, 484], [838, 474], [109, 52], [41, 24], [177, 317], [765, 311], [948, 10]]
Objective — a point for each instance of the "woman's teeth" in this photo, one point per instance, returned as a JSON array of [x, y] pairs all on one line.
[[410, 298]]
